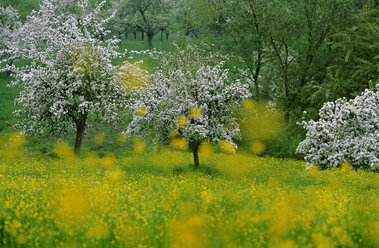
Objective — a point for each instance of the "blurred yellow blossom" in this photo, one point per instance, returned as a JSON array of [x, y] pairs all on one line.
[[258, 147], [227, 147], [131, 76], [248, 104], [179, 143], [141, 111], [139, 146], [172, 133], [122, 138], [263, 122], [98, 230], [115, 175], [21, 239], [99, 138], [205, 149], [182, 121], [195, 113], [108, 162], [64, 151], [188, 232], [346, 165]]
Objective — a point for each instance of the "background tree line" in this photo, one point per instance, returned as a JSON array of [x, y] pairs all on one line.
[[298, 54]]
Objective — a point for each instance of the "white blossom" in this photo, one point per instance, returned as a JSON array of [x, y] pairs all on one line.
[[10, 25], [347, 131], [204, 98], [70, 74]]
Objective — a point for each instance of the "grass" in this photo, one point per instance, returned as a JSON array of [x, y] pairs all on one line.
[[7, 96], [157, 200]]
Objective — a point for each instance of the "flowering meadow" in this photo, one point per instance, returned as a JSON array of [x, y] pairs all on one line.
[[172, 145], [156, 199]]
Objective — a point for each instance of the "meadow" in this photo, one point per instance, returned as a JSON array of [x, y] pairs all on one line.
[[119, 193], [155, 199]]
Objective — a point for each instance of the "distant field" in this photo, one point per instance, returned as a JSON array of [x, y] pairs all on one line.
[[157, 200]]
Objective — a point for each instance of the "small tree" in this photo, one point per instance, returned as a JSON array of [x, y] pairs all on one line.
[[190, 104], [348, 131], [71, 75]]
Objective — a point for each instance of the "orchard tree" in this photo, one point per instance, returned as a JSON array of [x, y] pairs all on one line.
[[188, 103], [70, 76], [346, 133], [122, 23], [149, 16], [10, 25]]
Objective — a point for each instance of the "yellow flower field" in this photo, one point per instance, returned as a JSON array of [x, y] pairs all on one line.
[[157, 200]]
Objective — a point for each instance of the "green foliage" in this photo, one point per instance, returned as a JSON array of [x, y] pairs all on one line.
[[299, 53], [356, 49]]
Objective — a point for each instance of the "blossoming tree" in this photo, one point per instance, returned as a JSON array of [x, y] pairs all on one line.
[[70, 75], [188, 102], [347, 132], [9, 31]]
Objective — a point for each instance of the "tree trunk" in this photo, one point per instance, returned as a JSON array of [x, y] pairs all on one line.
[[161, 35], [167, 35], [195, 151], [126, 35], [135, 35], [150, 39], [80, 126], [142, 35], [119, 35]]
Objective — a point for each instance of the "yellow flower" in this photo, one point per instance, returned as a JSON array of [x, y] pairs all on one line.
[[172, 133], [263, 123], [20, 239], [313, 170], [13, 146], [64, 151], [108, 162], [179, 143], [346, 165], [122, 138], [258, 147], [99, 138], [182, 121], [139, 147], [131, 76], [187, 232], [195, 113], [205, 149], [227, 147], [248, 104], [84, 59], [115, 176], [141, 111]]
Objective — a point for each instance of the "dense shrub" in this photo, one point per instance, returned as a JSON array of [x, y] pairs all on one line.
[[347, 131]]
